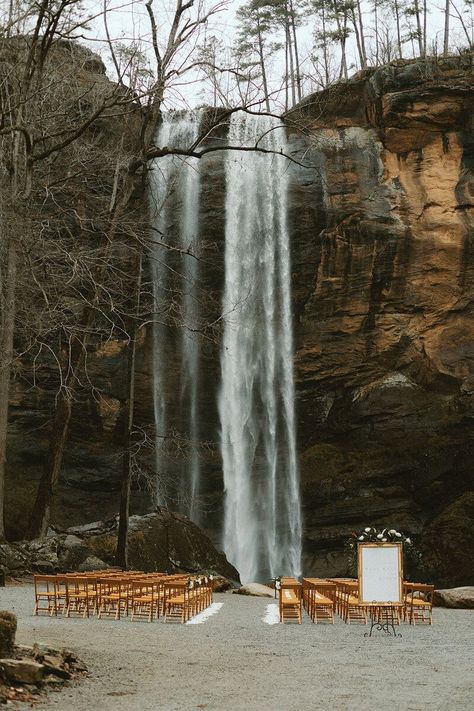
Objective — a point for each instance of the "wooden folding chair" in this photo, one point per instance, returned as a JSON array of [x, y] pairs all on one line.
[[113, 596], [418, 599], [81, 595], [320, 600], [143, 600], [61, 593], [45, 592], [290, 598], [176, 601], [351, 609]]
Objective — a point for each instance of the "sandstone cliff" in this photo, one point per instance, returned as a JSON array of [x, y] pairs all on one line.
[[382, 265], [383, 236]]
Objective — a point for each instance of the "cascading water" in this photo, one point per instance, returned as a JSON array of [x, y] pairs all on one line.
[[175, 188], [262, 526]]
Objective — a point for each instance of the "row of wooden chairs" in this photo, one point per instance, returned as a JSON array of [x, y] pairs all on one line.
[[114, 594], [184, 600], [417, 603], [322, 598]]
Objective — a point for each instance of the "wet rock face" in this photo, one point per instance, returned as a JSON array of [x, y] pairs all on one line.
[[382, 232]]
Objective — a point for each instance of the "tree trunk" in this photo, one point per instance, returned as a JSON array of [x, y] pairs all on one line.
[[124, 511], [399, 35], [418, 28], [41, 514], [6, 357], [297, 59], [262, 67], [325, 49], [343, 49], [361, 32], [425, 16], [446, 29], [341, 30], [469, 37], [290, 56], [362, 61]]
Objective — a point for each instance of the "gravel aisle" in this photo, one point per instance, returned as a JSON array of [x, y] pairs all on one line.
[[236, 661]]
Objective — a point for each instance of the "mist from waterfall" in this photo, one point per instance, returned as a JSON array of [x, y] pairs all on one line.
[[175, 190], [262, 521]]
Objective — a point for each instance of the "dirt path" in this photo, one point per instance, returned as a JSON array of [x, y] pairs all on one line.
[[235, 661]]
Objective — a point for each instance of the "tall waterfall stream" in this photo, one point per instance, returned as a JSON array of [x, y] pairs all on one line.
[[262, 525], [262, 514], [181, 176]]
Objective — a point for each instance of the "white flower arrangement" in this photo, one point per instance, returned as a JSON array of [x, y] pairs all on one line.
[[374, 535], [381, 536]]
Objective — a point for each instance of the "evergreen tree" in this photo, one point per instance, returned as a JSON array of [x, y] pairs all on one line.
[[253, 47]]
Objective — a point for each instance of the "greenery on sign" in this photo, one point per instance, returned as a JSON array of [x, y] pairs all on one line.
[[412, 558]]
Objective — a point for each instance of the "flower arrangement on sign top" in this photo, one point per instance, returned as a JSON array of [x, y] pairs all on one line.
[[373, 535], [411, 554]]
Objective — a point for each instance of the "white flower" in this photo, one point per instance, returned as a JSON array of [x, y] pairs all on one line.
[[392, 532], [399, 535], [379, 536], [361, 538], [367, 530], [407, 540], [384, 540]]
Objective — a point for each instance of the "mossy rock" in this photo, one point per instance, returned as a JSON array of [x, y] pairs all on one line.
[[8, 626]]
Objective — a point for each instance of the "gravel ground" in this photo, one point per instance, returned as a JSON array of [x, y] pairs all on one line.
[[236, 661]]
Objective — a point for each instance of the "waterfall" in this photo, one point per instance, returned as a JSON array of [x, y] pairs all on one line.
[[262, 522], [175, 189]]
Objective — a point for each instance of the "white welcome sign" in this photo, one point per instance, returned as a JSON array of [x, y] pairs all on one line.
[[380, 572]]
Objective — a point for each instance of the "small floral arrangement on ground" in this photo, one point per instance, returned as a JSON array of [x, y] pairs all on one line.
[[411, 554]]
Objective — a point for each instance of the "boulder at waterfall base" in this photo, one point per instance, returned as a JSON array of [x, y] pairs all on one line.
[[159, 541], [460, 598], [256, 590]]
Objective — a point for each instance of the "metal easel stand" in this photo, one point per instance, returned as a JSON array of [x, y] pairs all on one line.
[[382, 619]]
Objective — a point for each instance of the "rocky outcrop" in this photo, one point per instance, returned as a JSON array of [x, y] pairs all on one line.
[[159, 541], [32, 671], [383, 264]]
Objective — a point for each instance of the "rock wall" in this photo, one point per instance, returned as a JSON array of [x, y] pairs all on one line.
[[382, 265], [383, 236]]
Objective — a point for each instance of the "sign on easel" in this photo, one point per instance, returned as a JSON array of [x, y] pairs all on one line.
[[380, 573]]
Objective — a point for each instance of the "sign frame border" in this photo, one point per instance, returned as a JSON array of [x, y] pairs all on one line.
[[393, 544]]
